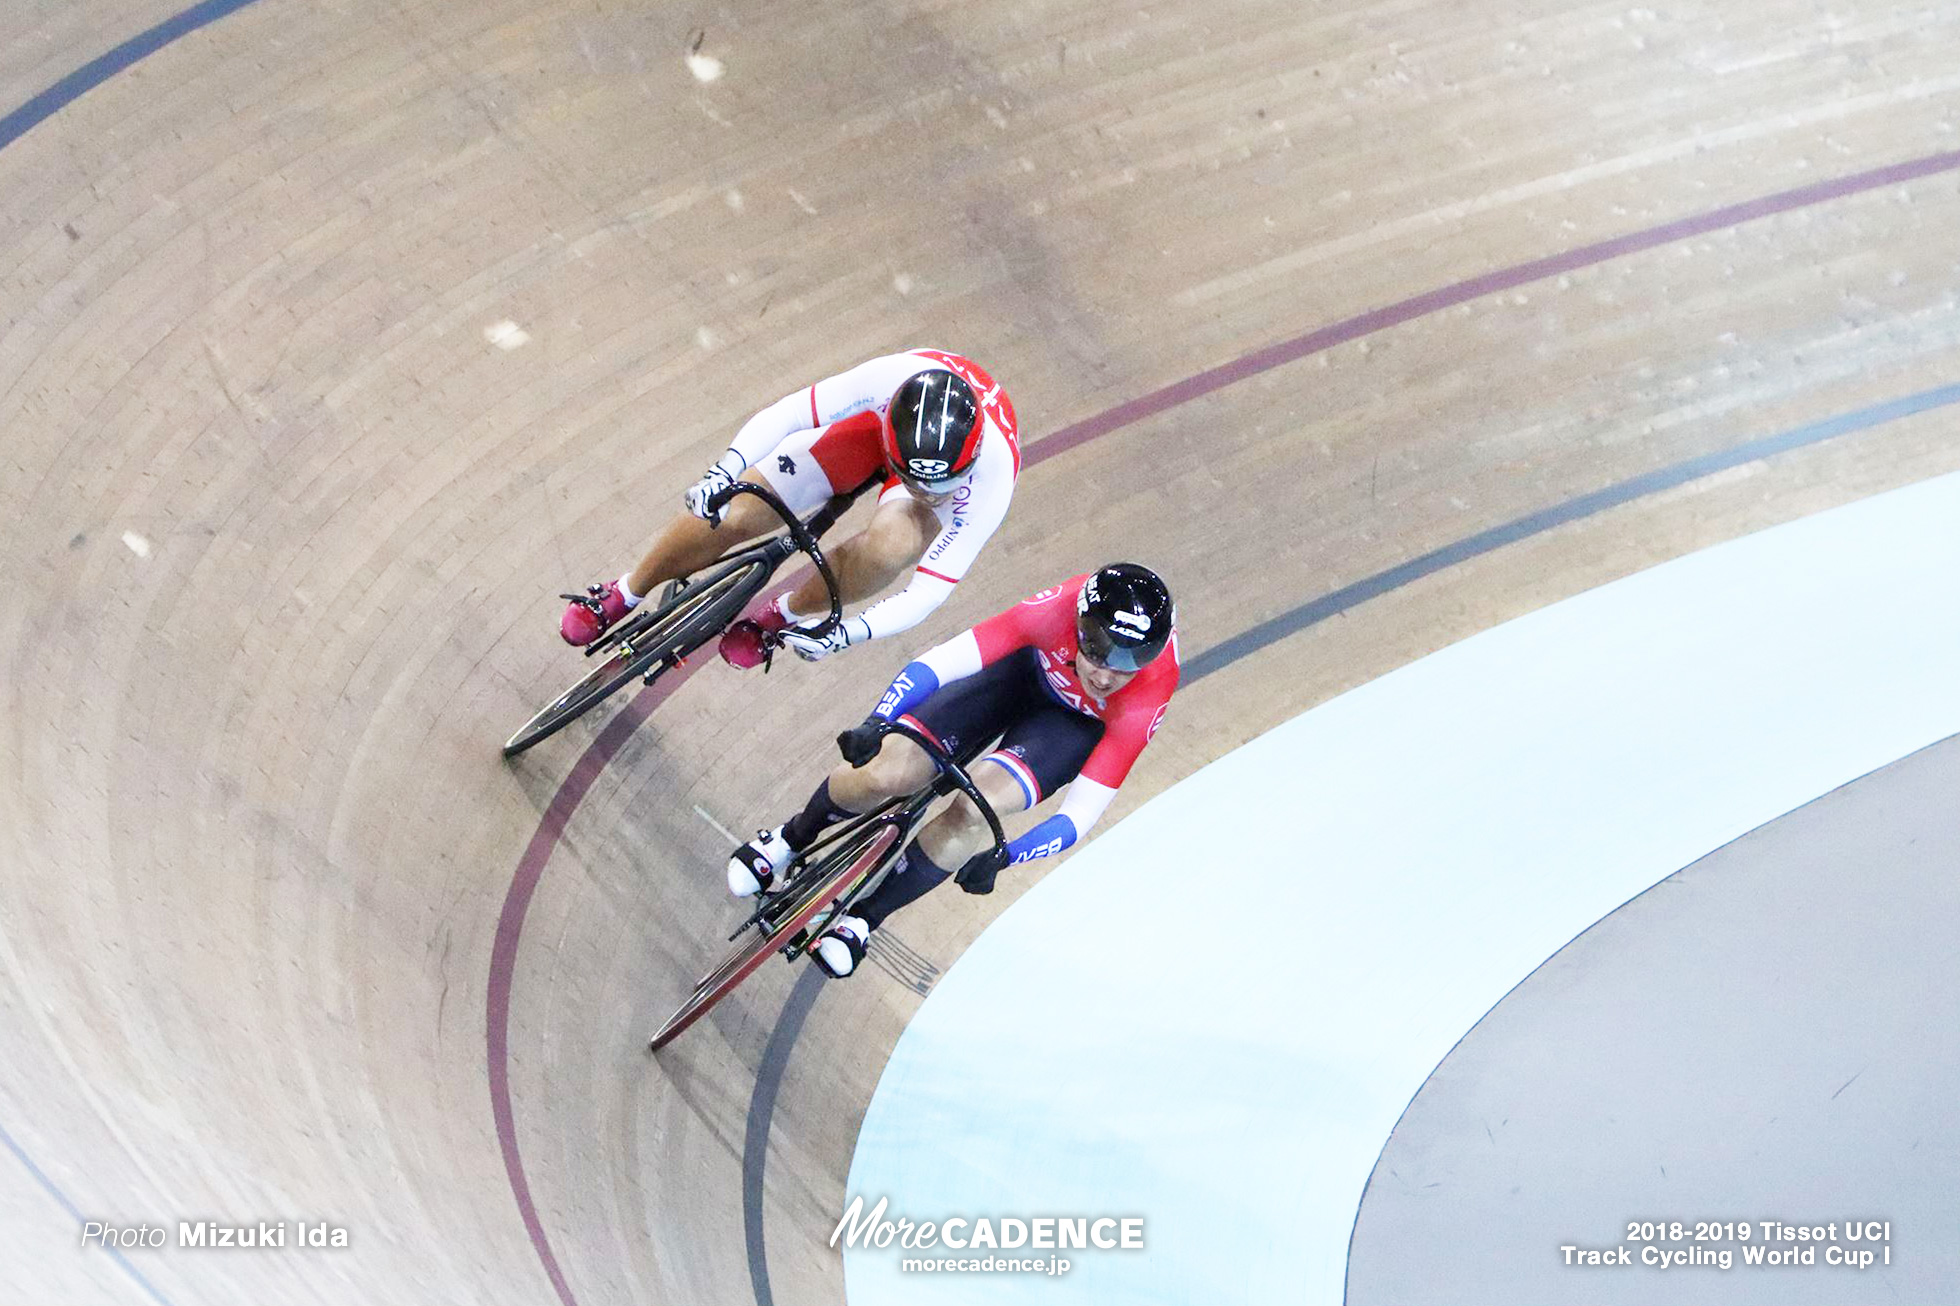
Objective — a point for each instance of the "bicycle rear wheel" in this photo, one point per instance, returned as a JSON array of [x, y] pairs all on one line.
[[808, 892], [680, 625]]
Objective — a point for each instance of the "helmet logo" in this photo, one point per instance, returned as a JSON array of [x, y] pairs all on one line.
[[1136, 622], [929, 469]]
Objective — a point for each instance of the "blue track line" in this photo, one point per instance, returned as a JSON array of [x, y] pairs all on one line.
[[1267, 633], [99, 70], [61, 1198]]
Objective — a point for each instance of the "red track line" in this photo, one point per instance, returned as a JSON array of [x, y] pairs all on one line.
[[510, 928], [1490, 283]]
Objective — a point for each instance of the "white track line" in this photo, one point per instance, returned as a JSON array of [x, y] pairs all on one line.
[[715, 825]]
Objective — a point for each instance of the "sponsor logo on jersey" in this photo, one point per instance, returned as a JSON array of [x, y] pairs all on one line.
[[1055, 668], [948, 537], [786, 465], [899, 689], [1042, 850], [1042, 597]]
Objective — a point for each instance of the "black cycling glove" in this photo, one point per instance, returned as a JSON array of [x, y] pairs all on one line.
[[977, 876], [859, 744]]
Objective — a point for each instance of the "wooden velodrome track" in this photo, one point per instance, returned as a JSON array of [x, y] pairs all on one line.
[[282, 527]]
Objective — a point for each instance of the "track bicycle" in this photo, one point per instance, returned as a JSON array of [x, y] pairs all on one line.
[[694, 610], [822, 882]]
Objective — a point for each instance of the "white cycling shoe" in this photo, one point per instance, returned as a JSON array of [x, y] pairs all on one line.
[[841, 947], [754, 866]]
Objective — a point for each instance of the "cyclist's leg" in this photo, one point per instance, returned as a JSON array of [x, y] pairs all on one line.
[[891, 543], [804, 471], [961, 718], [1042, 746], [1047, 752], [900, 767], [687, 544], [926, 865], [1037, 755]]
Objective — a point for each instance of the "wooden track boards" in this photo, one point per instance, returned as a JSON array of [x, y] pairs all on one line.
[[280, 525]]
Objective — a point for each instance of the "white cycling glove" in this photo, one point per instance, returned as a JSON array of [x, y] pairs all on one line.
[[852, 630], [702, 491]]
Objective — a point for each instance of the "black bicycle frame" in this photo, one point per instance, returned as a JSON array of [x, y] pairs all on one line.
[[801, 539], [903, 811]]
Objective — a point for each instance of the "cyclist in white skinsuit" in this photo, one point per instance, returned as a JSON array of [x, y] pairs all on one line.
[[933, 426]]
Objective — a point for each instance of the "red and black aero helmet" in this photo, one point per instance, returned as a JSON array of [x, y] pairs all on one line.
[[932, 430]]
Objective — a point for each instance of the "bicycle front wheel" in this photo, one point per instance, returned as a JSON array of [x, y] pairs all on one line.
[[682, 624], [808, 892]]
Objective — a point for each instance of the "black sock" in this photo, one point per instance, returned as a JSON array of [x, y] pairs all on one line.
[[818, 815], [909, 881]]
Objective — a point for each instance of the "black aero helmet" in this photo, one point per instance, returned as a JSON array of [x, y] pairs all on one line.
[[1123, 616], [932, 430]]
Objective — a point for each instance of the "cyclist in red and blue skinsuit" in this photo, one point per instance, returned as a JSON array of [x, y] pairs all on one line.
[[1065, 688]]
